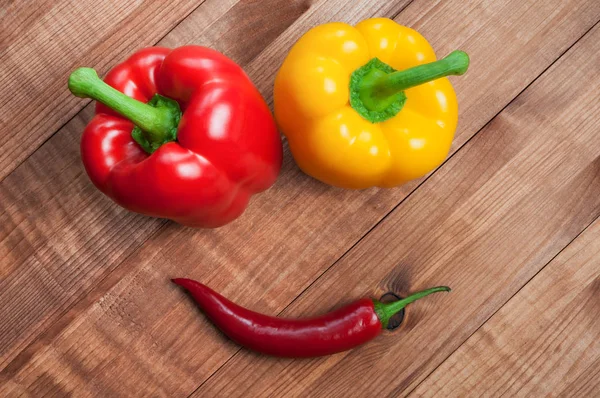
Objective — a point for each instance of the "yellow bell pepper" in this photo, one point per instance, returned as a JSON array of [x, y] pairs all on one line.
[[367, 105]]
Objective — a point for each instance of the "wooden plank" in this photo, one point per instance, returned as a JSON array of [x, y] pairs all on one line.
[[587, 384], [42, 41], [484, 224], [134, 329], [51, 267], [545, 341], [37, 296], [250, 26], [59, 236]]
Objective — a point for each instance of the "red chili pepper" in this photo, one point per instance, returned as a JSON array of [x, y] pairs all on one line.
[[340, 330], [199, 167]]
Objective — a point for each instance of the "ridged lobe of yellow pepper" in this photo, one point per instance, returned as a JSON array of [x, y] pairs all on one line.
[[329, 139]]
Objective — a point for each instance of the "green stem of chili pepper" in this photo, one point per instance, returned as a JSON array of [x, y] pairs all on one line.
[[386, 310]]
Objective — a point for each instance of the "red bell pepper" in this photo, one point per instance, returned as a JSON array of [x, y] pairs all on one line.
[[181, 134]]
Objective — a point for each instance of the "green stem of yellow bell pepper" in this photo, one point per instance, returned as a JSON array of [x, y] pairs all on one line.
[[378, 90]]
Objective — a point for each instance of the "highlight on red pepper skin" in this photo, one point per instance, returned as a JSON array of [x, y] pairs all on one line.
[[339, 330], [191, 140]]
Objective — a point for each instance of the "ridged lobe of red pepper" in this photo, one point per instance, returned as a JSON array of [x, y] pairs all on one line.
[[339, 330], [227, 148]]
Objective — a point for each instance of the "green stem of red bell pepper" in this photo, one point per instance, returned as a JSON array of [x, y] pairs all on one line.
[[157, 121], [379, 89], [386, 310]]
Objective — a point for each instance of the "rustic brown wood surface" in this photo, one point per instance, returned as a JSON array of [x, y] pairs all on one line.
[[509, 221], [542, 341]]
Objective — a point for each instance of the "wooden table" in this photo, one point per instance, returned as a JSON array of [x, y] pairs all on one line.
[[510, 220]]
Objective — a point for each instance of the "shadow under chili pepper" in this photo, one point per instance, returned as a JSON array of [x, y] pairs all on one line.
[[396, 320], [218, 332]]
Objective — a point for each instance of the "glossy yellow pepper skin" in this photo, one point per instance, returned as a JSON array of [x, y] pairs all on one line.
[[336, 144]]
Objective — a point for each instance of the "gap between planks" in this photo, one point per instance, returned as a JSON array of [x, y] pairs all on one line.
[[162, 225], [82, 104], [548, 262], [400, 203], [570, 246]]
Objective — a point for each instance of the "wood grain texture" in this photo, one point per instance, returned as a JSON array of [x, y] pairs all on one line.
[[250, 26], [484, 224], [119, 327], [36, 302], [43, 41], [59, 236], [544, 342]]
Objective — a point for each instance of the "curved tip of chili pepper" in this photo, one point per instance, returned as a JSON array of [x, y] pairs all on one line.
[[183, 282]]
